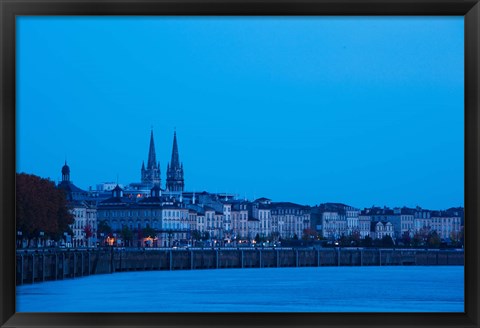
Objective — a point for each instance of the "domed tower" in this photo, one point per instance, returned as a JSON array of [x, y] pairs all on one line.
[[175, 180], [151, 174], [72, 191], [66, 172]]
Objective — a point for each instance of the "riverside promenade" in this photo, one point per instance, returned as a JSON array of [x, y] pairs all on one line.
[[33, 266]]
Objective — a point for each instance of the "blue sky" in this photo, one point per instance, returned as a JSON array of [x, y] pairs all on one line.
[[360, 110]]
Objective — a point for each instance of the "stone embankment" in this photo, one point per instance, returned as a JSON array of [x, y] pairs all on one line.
[[55, 264]]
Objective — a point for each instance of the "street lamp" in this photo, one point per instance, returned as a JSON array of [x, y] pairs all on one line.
[[19, 239], [41, 238], [170, 237], [65, 234]]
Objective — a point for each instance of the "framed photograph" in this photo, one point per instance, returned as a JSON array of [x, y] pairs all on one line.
[[331, 154]]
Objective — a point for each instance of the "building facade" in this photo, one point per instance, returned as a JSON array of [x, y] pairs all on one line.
[[82, 206], [290, 219], [176, 215], [446, 225], [168, 217]]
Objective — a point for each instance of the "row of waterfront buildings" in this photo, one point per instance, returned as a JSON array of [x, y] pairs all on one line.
[[175, 214]]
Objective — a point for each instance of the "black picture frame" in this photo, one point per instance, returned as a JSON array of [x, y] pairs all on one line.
[[9, 9]]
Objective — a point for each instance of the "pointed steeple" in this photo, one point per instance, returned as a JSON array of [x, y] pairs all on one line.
[[175, 162], [152, 158], [151, 174], [175, 169]]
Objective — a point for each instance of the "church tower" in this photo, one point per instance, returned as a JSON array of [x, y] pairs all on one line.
[[151, 174], [175, 169], [66, 172]]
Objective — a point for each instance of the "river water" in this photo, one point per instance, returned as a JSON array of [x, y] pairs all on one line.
[[324, 289]]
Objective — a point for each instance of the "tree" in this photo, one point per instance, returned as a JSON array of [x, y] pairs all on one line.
[[457, 237], [127, 235], [41, 207], [196, 235], [434, 239], [355, 238], [417, 239], [206, 236], [406, 239], [344, 241], [387, 241], [367, 241], [462, 236], [274, 236], [257, 238], [377, 242], [139, 234], [104, 228], [309, 234], [420, 237], [88, 232]]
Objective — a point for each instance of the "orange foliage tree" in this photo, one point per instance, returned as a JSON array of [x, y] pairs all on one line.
[[41, 207]]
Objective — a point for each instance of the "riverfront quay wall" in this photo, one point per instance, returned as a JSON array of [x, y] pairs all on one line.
[[47, 265]]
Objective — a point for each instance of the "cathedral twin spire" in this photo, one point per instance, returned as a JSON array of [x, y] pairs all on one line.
[[152, 158], [151, 174], [175, 169]]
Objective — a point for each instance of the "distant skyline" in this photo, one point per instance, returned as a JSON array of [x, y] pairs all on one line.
[[359, 110]]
